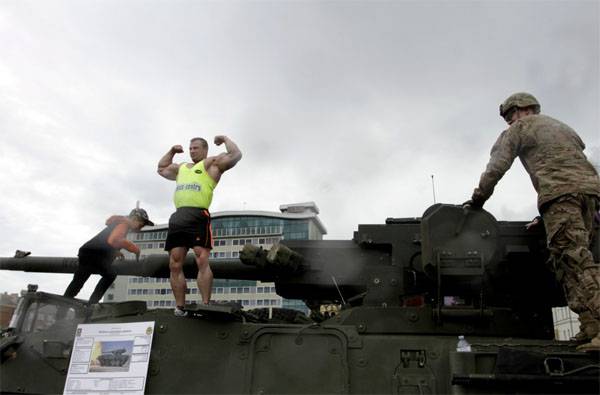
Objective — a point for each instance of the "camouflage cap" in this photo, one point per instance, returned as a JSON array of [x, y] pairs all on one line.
[[518, 100], [140, 213]]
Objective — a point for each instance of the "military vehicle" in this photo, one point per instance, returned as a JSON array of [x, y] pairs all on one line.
[[113, 358], [407, 290]]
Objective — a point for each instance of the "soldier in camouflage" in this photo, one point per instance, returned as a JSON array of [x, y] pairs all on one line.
[[568, 190]]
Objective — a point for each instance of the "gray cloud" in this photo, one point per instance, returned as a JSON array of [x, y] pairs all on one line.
[[353, 105]]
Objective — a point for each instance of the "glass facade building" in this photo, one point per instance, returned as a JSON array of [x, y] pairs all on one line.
[[231, 231]]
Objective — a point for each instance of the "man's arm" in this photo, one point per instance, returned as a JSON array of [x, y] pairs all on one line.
[[118, 239], [166, 167], [503, 154], [229, 159]]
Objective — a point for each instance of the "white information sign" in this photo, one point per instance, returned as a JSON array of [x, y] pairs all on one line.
[[110, 358]]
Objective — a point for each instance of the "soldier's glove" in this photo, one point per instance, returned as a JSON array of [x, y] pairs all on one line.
[[534, 222], [474, 204]]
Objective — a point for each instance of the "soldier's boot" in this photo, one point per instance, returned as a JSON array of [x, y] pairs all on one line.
[[593, 345], [580, 337], [588, 329]]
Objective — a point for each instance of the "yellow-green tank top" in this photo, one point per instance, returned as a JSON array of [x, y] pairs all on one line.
[[194, 187]]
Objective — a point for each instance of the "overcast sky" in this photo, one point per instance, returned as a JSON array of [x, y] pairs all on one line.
[[352, 105]]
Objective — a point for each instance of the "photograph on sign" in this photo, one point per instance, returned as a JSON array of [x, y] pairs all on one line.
[[111, 356]]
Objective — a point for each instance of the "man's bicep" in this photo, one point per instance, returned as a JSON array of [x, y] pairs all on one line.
[[227, 161], [169, 172], [117, 236]]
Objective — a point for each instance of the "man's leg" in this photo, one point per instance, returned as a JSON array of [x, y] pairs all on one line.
[[588, 327], [177, 279], [79, 278], [108, 277], [205, 275], [568, 226]]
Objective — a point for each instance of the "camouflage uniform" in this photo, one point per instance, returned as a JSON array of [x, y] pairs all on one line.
[[568, 189], [569, 224]]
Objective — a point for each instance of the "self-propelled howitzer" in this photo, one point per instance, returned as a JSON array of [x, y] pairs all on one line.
[[407, 290]]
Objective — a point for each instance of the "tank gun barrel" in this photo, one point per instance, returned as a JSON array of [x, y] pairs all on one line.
[[150, 266], [323, 271], [41, 264]]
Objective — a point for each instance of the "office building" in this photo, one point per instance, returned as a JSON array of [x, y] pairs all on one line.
[[231, 231], [566, 323]]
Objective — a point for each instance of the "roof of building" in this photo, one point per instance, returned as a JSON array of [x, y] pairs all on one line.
[[7, 299]]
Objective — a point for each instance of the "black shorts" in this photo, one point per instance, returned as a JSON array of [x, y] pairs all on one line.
[[189, 227]]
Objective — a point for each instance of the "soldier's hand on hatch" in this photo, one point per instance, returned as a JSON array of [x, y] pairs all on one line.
[[471, 204], [219, 139], [119, 255], [535, 222], [177, 149]]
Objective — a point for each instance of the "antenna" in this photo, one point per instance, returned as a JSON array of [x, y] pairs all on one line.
[[338, 289], [433, 188], [137, 204]]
